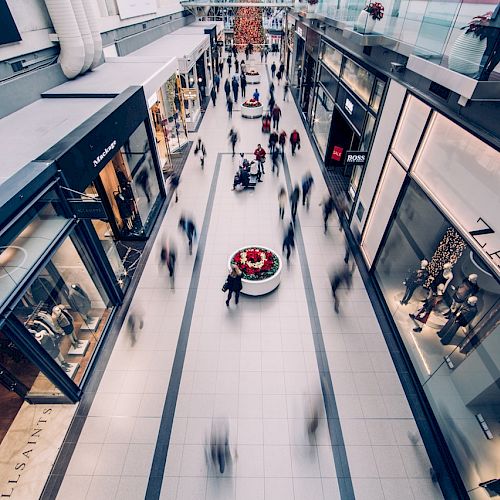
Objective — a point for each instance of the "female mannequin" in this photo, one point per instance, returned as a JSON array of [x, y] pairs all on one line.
[[414, 280], [50, 345], [79, 300], [467, 288], [463, 317], [443, 278], [64, 320]]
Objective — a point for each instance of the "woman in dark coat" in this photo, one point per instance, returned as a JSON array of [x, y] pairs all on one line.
[[234, 284]]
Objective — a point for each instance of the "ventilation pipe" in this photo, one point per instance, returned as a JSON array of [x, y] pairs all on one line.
[[83, 26], [93, 18], [72, 55]]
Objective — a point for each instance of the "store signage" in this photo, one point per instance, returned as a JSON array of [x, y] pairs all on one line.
[[88, 209], [189, 93], [299, 31], [337, 153], [355, 157], [482, 235], [104, 153], [349, 106]]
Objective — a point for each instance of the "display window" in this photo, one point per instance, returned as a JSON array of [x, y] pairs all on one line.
[[331, 58], [378, 93], [445, 304], [329, 81], [358, 79], [157, 113], [65, 310], [190, 95], [322, 118]]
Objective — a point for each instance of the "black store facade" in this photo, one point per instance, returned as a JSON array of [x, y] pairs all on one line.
[[74, 222]]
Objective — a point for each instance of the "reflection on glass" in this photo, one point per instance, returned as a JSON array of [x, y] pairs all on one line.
[[331, 58], [377, 95], [322, 119], [449, 325], [359, 79], [65, 311]]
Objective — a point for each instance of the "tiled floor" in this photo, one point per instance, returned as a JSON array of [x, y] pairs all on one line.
[[253, 365]]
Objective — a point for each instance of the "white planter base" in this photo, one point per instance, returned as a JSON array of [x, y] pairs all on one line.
[[252, 79], [365, 23], [261, 287], [254, 112]]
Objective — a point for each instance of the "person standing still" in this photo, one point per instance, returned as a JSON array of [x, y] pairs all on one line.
[[236, 65], [273, 69], [294, 141], [230, 107], [260, 157], [282, 201], [243, 84], [233, 284], [213, 95], [294, 201], [235, 86], [276, 114]]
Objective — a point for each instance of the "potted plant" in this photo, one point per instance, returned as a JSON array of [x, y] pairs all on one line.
[[373, 12], [468, 48]]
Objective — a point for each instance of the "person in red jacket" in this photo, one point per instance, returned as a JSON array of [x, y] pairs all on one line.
[[276, 114], [260, 157], [294, 141]]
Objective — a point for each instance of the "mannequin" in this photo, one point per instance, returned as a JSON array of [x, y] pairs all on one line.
[[414, 280], [444, 277], [79, 300], [50, 345], [467, 288], [124, 208], [64, 320], [430, 304], [463, 317], [44, 321]]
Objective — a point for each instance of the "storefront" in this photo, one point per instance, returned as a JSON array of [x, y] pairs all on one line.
[[436, 260], [73, 224], [347, 102]]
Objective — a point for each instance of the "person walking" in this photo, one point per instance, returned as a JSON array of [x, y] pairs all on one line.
[[247, 52], [236, 65], [168, 257], [289, 242], [230, 107], [338, 278], [273, 69], [213, 95], [271, 103], [279, 76], [307, 183], [221, 67], [233, 284], [273, 140], [328, 208], [282, 68], [260, 157], [294, 201], [282, 142], [235, 52], [243, 66], [217, 81], [282, 201], [235, 86], [271, 88], [188, 227], [174, 185], [261, 56], [243, 84], [229, 62], [266, 53], [286, 89], [275, 159], [227, 88], [294, 141], [256, 95], [233, 139], [276, 115]]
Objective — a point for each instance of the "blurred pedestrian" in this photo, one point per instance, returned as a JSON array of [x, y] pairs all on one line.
[[227, 88], [266, 53], [168, 257], [273, 69], [276, 115], [188, 227], [217, 81], [339, 277], [218, 449], [271, 103], [286, 89], [282, 201], [281, 69], [235, 86], [282, 142], [307, 183], [233, 284], [294, 141], [233, 139], [273, 140], [294, 201], [243, 67], [235, 52], [328, 208], [213, 95], [313, 421], [221, 68], [279, 76], [271, 88], [236, 65], [261, 56], [229, 105], [200, 150], [243, 84], [256, 95], [229, 62], [357, 240], [275, 159], [289, 242], [134, 324], [174, 185]]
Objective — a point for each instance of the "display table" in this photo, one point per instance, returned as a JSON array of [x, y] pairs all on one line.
[[251, 111], [264, 281], [252, 78]]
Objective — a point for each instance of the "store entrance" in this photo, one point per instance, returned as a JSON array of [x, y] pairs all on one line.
[[308, 84], [342, 138]]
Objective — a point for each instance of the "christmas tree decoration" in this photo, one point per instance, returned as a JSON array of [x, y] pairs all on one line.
[[248, 27]]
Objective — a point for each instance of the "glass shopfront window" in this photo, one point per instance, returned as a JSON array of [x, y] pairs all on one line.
[[331, 58], [65, 310], [358, 79], [322, 118], [445, 303], [329, 81], [175, 125], [377, 95]]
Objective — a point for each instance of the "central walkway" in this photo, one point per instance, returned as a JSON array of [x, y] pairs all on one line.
[[261, 366]]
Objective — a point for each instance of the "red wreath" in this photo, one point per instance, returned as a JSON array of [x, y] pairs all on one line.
[[255, 261]]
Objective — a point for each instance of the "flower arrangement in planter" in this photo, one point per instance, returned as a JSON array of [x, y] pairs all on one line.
[[252, 103], [468, 48], [256, 263], [252, 72], [373, 12], [312, 2]]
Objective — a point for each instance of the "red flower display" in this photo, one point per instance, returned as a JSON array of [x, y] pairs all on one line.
[[248, 27], [252, 103], [256, 263]]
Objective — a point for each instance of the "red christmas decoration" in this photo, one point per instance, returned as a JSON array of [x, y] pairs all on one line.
[[248, 27]]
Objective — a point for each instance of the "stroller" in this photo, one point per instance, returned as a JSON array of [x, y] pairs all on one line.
[[266, 123]]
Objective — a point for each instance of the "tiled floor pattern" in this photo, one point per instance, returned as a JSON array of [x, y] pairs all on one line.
[[253, 364]]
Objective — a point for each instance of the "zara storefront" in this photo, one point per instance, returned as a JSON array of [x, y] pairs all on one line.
[[73, 224], [430, 239]]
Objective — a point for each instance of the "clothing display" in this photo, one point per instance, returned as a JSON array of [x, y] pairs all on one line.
[[462, 318], [467, 288], [430, 304], [444, 277], [79, 300], [62, 319], [43, 320], [414, 280]]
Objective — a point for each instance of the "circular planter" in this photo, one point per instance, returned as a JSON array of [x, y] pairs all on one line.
[[365, 23], [466, 54], [251, 79], [259, 287], [251, 112]]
